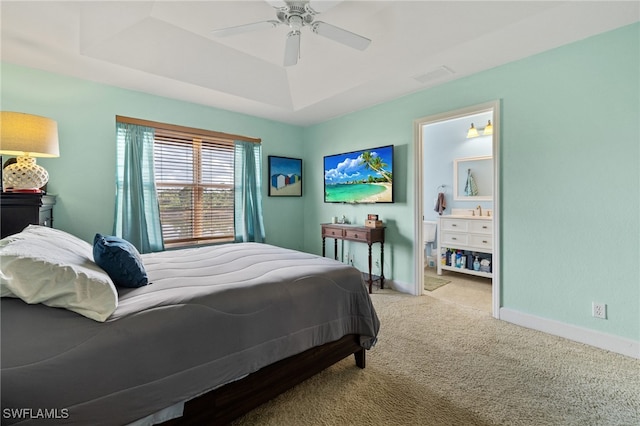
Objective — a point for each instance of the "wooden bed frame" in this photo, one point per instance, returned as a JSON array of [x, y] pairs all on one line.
[[224, 404]]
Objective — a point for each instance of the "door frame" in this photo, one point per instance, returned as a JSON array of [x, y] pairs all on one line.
[[493, 106]]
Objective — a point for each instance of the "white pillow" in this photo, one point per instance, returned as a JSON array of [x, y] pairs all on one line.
[[49, 266]]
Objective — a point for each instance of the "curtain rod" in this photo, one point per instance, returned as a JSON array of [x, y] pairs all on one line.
[[192, 130]]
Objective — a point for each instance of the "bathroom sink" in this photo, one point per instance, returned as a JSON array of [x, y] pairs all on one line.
[[471, 214]]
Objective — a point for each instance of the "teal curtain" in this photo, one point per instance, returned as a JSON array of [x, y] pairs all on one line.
[[137, 216], [249, 225]]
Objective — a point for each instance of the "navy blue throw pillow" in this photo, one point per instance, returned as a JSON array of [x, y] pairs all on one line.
[[120, 260]]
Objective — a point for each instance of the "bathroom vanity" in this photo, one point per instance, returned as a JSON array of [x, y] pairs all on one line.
[[469, 235]]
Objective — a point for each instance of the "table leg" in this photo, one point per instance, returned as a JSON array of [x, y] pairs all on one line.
[[370, 276], [335, 249], [323, 245], [381, 265]]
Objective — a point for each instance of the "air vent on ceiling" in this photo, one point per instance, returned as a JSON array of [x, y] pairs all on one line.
[[435, 74]]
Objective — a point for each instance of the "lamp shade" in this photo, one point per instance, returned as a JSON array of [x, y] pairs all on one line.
[[473, 132], [27, 136], [488, 130], [30, 135]]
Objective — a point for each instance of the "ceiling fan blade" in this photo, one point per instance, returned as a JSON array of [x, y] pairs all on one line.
[[225, 32], [340, 35], [276, 4], [292, 48]]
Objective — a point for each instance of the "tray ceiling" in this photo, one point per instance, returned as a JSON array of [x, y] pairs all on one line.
[[167, 47]]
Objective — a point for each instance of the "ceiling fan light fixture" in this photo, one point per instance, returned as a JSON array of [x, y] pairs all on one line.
[[295, 22], [295, 15]]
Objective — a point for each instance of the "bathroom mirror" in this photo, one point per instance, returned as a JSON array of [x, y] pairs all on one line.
[[473, 178]]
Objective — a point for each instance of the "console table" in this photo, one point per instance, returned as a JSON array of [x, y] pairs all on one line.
[[360, 234]]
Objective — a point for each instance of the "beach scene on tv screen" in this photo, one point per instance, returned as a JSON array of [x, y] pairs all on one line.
[[359, 177]]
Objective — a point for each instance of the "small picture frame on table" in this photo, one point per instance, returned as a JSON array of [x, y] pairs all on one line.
[[285, 177]]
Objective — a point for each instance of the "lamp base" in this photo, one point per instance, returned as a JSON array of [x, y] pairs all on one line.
[[24, 191], [23, 175]]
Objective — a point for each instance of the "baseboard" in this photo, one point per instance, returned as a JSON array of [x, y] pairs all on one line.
[[598, 339], [400, 286]]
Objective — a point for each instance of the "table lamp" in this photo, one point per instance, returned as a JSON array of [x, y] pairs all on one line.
[[26, 136]]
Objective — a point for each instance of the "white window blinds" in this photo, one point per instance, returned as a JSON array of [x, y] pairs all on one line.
[[194, 181]]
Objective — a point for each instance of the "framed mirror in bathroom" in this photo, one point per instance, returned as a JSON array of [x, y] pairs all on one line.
[[473, 178]]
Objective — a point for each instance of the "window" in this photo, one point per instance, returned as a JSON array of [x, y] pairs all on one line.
[[194, 183], [193, 172]]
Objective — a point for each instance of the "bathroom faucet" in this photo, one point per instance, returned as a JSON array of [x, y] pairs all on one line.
[[479, 210]]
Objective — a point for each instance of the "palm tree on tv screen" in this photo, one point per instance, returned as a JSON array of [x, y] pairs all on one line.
[[375, 163]]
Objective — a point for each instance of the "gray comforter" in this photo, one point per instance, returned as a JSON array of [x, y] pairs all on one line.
[[211, 315]]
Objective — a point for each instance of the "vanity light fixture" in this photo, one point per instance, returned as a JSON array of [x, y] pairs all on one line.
[[473, 132], [488, 130], [27, 136]]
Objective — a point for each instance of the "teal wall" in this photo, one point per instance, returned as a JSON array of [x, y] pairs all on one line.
[[570, 160], [83, 176]]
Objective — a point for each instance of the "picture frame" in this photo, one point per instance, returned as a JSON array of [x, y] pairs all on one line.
[[285, 176]]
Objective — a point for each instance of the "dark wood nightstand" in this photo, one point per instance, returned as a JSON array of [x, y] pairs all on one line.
[[17, 211]]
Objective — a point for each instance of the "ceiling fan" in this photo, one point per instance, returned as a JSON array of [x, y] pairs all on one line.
[[298, 14]]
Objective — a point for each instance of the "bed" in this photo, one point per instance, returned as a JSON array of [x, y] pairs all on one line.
[[217, 331]]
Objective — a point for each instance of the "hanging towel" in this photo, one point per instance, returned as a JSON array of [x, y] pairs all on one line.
[[470, 189], [441, 203]]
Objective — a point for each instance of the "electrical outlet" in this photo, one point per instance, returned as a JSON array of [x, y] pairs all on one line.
[[599, 310]]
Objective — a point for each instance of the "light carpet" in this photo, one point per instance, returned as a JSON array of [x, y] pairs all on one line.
[[438, 363]]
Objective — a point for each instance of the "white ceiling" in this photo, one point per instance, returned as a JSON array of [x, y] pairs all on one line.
[[167, 47]]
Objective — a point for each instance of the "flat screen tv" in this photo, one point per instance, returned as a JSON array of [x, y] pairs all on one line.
[[364, 176]]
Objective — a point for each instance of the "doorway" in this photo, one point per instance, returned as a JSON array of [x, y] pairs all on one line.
[[441, 142]]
